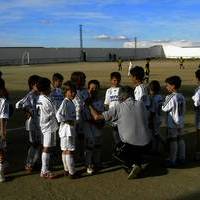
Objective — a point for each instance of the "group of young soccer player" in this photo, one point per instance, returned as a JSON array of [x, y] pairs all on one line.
[[78, 114]]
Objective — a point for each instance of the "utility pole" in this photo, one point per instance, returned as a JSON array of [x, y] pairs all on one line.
[[81, 41], [81, 36], [135, 40]]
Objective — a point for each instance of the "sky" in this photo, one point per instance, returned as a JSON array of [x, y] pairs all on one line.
[[111, 23]]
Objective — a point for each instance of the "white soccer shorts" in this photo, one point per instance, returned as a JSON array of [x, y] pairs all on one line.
[[49, 139], [67, 143]]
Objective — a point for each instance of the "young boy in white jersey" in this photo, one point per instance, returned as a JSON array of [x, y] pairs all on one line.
[[56, 94], [93, 133], [155, 109], [196, 99], [4, 116], [130, 66], [47, 122], [66, 116], [28, 105], [140, 92], [174, 105], [112, 99]]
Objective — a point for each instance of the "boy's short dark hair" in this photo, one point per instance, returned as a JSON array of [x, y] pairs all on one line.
[[96, 82], [78, 75], [69, 85], [43, 84], [155, 86], [138, 72], [197, 74], [174, 80], [57, 76], [116, 75], [32, 80]]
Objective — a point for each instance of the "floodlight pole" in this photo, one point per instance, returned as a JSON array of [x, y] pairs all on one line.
[[135, 40], [81, 41]]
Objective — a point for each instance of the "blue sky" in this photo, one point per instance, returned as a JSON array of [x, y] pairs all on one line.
[[113, 23]]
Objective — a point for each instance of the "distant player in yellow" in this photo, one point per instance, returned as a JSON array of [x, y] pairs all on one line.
[[119, 61], [181, 61]]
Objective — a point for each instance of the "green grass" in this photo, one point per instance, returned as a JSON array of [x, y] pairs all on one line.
[[112, 183]]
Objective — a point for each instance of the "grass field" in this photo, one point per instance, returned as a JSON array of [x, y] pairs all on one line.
[[110, 183]]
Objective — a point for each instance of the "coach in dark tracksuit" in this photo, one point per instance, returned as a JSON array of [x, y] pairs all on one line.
[[131, 118]]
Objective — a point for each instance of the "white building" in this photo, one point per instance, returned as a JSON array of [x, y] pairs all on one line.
[[177, 52]]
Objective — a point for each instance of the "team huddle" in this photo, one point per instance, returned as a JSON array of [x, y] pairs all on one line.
[[77, 115]]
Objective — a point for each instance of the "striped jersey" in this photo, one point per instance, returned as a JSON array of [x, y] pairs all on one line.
[[57, 97], [174, 105], [156, 108], [28, 103], [4, 108], [78, 101], [97, 104]]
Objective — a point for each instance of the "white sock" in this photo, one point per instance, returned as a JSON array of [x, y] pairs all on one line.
[[173, 151], [64, 162], [70, 163], [45, 161], [1, 166], [181, 147]]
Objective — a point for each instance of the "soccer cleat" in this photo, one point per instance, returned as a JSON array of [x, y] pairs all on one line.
[[90, 170], [66, 173], [2, 177], [73, 176], [135, 171], [47, 175], [28, 168]]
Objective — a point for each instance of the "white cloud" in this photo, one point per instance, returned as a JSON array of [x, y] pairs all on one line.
[[146, 44], [116, 38], [102, 37]]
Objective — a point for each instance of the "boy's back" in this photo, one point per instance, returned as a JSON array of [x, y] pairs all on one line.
[[46, 114], [175, 106], [57, 97]]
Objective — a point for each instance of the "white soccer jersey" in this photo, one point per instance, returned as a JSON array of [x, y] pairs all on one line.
[[29, 104], [4, 108], [57, 97], [129, 68], [174, 105], [112, 96], [196, 97], [141, 93], [66, 112], [156, 108], [46, 115]]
